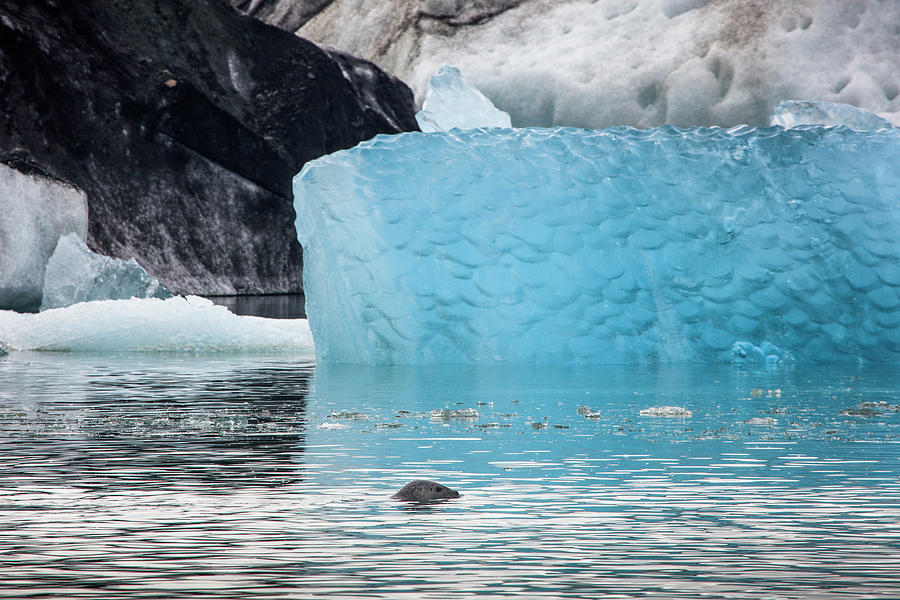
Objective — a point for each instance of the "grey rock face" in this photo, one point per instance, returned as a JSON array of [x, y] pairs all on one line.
[[422, 490], [184, 123]]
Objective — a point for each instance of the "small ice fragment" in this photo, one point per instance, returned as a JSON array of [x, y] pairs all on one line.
[[328, 425], [462, 413], [760, 421], [75, 274], [791, 113], [348, 414], [860, 412], [452, 102], [666, 411]]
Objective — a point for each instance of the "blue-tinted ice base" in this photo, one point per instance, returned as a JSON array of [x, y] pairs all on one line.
[[614, 246]]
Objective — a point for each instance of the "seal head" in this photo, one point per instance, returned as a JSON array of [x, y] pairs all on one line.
[[422, 490]]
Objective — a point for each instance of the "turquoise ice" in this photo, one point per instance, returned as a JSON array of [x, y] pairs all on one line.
[[612, 246]]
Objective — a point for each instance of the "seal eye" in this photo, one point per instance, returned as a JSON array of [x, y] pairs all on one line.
[[437, 489]]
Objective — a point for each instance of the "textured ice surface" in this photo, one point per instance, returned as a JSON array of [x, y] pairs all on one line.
[[635, 62], [451, 101], [151, 324], [792, 113], [75, 274], [615, 246], [34, 212]]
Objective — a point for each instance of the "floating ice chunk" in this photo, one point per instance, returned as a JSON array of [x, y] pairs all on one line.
[[151, 324], [328, 425], [614, 246], [666, 411], [791, 113], [348, 414], [75, 274], [451, 101], [35, 212], [461, 413], [767, 421]]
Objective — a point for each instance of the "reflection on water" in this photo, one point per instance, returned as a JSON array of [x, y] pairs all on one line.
[[271, 306], [258, 477]]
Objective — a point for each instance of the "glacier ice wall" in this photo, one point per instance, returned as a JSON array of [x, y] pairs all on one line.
[[178, 324], [633, 62], [75, 274], [614, 246], [451, 101], [34, 212]]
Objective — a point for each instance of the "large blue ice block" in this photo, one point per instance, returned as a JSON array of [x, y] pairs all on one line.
[[613, 246]]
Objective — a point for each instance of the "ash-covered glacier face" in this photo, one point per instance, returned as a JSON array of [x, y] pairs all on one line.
[[614, 246]]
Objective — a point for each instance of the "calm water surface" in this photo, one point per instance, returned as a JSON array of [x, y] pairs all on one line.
[[148, 476]]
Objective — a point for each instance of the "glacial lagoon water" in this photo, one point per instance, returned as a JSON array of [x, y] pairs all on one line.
[[264, 476]]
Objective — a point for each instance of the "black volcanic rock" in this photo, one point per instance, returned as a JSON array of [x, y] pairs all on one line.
[[184, 122]]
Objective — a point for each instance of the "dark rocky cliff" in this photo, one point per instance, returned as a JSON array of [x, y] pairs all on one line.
[[184, 122]]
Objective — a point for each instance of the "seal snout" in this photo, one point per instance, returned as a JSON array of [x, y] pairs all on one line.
[[422, 490]]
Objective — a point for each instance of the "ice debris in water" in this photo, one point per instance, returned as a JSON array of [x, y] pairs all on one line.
[[461, 413], [666, 411], [348, 414], [613, 246], [792, 113], [766, 353], [75, 274], [151, 324], [768, 421], [332, 426], [451, 101]]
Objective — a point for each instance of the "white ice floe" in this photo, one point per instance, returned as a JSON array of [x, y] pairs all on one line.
[[150, 324]]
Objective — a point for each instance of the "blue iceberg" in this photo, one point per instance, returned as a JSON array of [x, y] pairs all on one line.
[[612, 246]]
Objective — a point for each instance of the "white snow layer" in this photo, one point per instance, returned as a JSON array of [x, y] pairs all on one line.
[[452, 102], [150, 324], [639, 62], [34, 213]]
